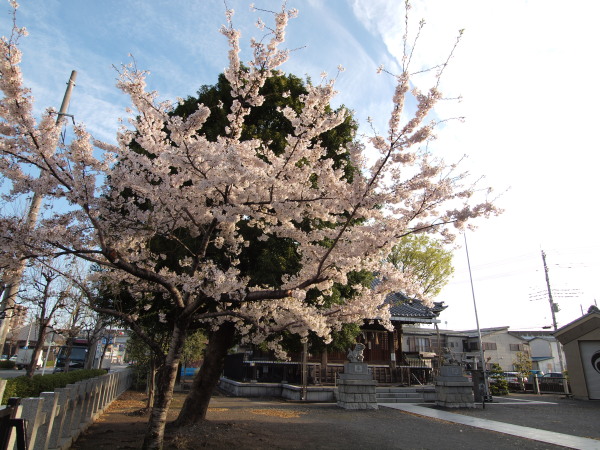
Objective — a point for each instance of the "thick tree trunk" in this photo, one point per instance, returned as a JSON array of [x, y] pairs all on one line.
[[165, 384], [196, 404]]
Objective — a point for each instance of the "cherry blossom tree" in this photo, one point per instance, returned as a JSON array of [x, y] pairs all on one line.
[[121, 201]]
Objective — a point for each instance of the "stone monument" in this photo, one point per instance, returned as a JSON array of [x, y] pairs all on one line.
[[356, 386], [453, 389]]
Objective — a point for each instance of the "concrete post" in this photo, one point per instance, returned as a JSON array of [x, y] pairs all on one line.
[[49, 410], [97, 391], [76, 405], [85, 402], [88, 403], [62, 407], [65, 439], [32, 413], [566, 386], [13, 436]]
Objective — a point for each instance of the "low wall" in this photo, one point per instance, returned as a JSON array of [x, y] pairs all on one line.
[[287, 391], [428, 393], [313, 393], [55, 419]]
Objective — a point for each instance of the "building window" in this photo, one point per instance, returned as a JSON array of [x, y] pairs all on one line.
[[517, 347], [419, 344], [489, 346], [473, 346]]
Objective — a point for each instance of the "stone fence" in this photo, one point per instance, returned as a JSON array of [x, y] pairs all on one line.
[[287, 391], [54, 420]]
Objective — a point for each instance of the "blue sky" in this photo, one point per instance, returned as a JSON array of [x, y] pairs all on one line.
[[525, 69]]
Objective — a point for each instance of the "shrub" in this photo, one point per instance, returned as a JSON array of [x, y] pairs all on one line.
[[32, 387], [498, 383], [7, 364]]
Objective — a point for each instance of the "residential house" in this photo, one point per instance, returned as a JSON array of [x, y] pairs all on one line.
[[500, 346], [546, 352]]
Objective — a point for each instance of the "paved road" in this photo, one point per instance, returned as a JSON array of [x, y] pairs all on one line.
[[13, 373], [566, 424]]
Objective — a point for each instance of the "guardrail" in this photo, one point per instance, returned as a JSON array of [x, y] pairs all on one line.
[[54, 420]]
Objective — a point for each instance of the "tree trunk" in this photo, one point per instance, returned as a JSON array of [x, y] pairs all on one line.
[[69, 343], [35, 356], [165, 383], [37, 349], [196, 404], [324, 362], [93, 339], [151, 382]]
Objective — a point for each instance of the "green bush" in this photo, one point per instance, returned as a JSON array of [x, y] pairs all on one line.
[[140, 377], [32, 387], [7, 364], [498, 383]]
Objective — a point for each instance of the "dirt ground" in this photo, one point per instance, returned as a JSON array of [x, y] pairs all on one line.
[[267, 423]]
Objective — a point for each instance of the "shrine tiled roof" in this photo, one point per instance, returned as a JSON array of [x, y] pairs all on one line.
[[411, 309]]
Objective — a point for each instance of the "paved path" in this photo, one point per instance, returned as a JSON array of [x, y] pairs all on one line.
[[550, 437]]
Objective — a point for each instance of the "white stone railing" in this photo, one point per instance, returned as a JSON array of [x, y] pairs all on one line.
[[54, 420]]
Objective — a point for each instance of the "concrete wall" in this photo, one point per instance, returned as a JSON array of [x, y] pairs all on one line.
[[54, 420], [287, 391]]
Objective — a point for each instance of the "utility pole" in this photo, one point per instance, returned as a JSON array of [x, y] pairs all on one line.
[[12, 287], [486, 396], [553, 310]]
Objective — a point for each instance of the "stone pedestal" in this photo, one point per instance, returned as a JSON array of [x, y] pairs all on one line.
[[453, 389], [356, 387]]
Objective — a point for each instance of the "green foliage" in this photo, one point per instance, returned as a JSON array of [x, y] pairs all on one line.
[[345, 338], [523, 364], [498, 383], [32, 387], [265, 262], [7, 365], [138, 352], [341, 340], [427, 259], [193, 348]]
